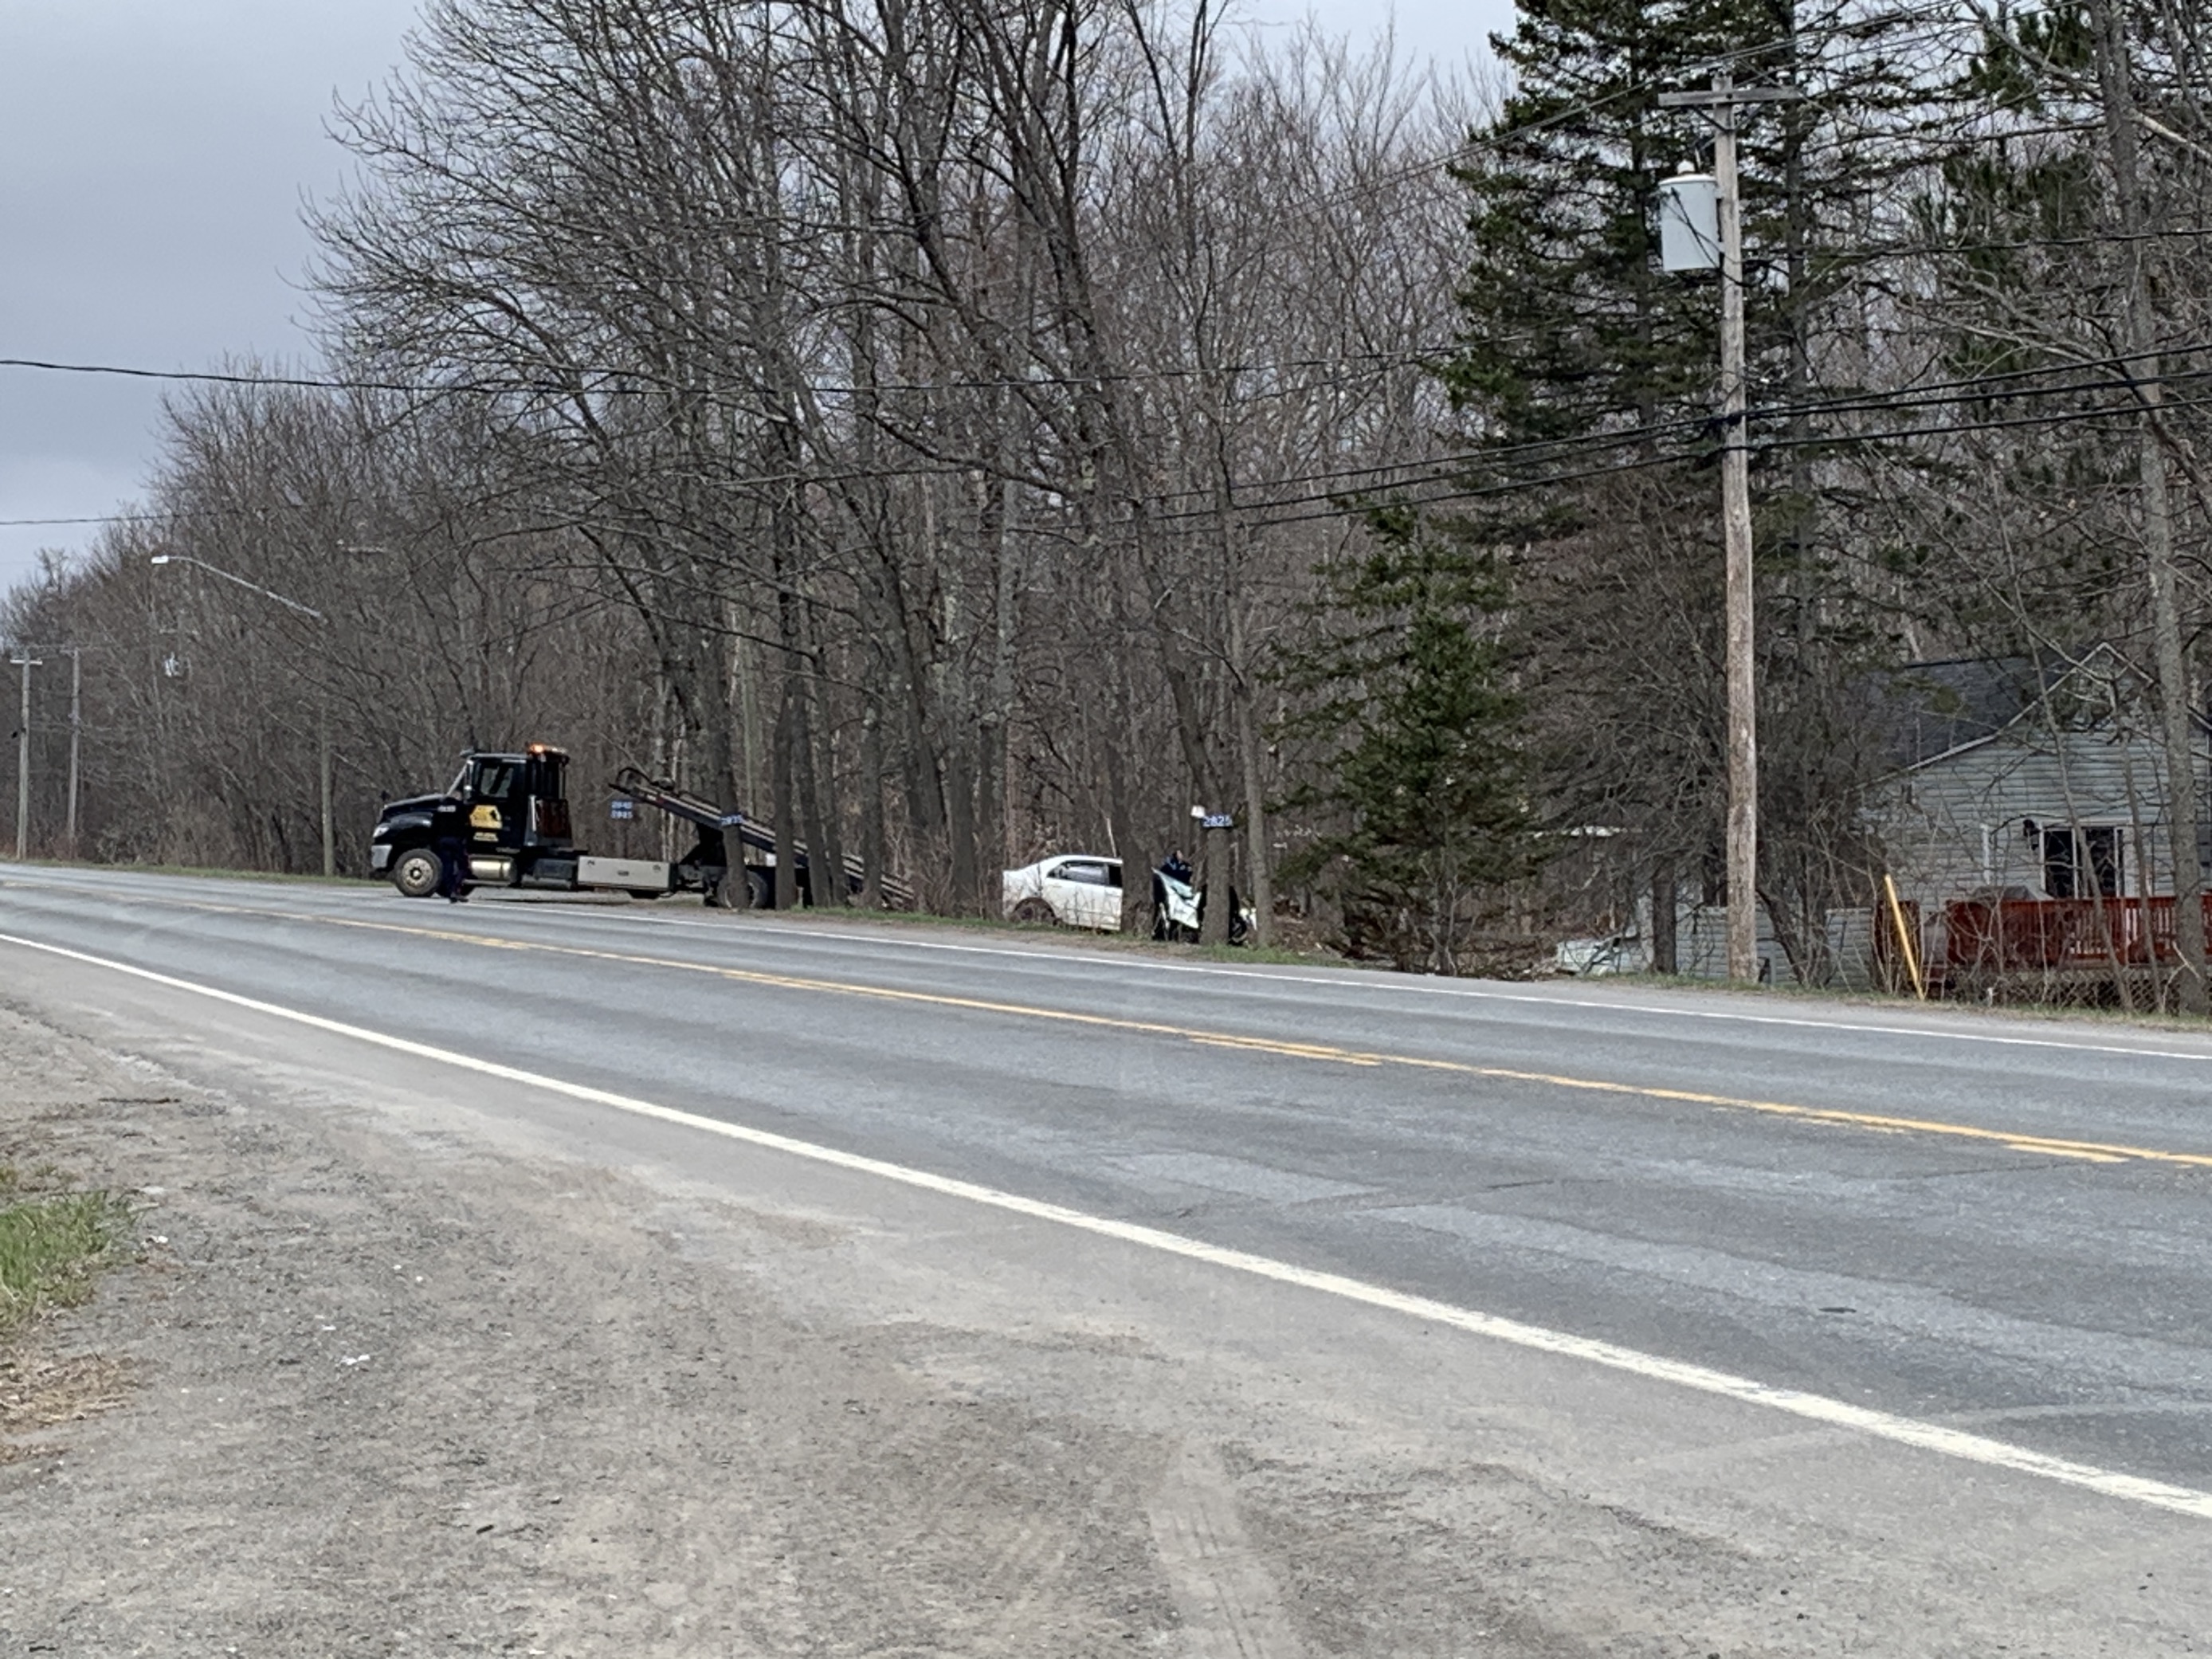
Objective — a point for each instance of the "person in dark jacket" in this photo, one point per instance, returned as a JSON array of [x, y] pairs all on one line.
[[453, 857]]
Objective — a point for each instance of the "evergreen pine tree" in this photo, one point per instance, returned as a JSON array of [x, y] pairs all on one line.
[[1406, 689], [1572, 332], [1587, 377]]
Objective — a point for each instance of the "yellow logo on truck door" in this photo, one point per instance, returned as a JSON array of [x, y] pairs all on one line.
[[485, 821]]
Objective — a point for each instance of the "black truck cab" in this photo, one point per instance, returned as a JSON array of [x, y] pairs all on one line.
[[516, 804], [509, 813]]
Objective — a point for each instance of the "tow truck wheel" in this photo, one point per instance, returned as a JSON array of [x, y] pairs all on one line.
[[739, 889], [416, 872]]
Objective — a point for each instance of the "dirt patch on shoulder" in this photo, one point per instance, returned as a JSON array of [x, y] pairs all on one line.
[[385, 1397], [39, 1391]]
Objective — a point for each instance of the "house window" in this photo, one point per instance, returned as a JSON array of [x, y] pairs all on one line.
[[2085, 863]]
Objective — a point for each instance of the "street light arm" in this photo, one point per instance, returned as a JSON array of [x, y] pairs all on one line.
[[216, 570], [322, 701]]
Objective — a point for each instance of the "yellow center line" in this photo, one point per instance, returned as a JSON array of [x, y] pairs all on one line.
[[2087, 1151]]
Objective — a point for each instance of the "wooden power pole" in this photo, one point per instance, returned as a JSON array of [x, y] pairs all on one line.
[[27, 662], [1722, 100], [77, 734]]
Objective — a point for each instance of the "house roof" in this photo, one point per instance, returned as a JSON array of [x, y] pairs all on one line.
[[1929, 710]]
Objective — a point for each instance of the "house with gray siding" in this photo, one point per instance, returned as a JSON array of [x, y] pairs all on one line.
[[2020, 779], [2012, 779]]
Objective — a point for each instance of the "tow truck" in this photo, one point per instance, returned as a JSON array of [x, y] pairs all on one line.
[[510, 814]]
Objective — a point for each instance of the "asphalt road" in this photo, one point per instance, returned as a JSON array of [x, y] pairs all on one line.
[[1988, 1224]]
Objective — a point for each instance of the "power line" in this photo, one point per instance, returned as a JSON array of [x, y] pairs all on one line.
[[97, 518], [1921, 396], [209, 376], [1935, 250], [2004, 383], [1404, 357], [1476, 492]]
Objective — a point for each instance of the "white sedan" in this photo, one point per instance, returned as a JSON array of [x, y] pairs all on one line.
[[1077, 889]]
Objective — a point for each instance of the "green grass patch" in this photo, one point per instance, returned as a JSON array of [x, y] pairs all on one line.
[[1274, 955], [51, 1247]]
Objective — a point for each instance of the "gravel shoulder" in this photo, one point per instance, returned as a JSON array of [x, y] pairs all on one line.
[[391, 1379], [360, 1393]]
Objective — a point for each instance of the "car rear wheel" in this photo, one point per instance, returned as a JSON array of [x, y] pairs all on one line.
[[1032, 910], [416, 872]]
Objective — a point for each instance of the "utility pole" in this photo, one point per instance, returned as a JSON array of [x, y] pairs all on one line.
[[27, 662], [76, 732], [323, 737], [1722, 101]]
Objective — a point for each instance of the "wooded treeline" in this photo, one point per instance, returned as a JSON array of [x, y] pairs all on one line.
[[957, 431]]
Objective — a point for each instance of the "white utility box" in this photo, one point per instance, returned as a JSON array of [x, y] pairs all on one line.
[[636, 875], [1690, 222]]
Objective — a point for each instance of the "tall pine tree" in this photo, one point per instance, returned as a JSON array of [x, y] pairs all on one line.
[[1407, 690], [1587, 378]]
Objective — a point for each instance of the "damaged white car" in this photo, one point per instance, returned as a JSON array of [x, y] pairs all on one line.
[[1076, 890]]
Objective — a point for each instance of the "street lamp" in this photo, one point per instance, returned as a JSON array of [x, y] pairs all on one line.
[[322, 701], [265, 592]]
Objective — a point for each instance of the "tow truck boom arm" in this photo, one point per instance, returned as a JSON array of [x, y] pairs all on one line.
[[661, 793]]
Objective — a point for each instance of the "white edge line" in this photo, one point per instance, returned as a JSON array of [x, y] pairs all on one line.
[[1818, 1408], [1401, 984]]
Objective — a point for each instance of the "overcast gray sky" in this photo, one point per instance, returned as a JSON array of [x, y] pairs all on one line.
[[154, 155]]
